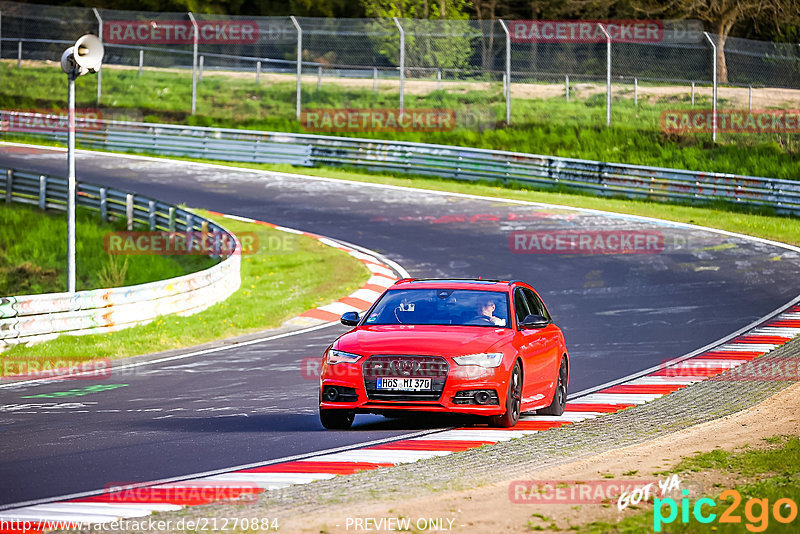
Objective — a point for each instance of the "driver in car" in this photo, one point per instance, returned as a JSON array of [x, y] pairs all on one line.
[[486, 314]]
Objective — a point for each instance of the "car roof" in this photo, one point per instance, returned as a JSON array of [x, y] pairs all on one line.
[[454, 283]]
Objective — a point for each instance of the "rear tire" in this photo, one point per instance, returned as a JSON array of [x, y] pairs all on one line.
[[513, 400], [336, 419], [560, 396]]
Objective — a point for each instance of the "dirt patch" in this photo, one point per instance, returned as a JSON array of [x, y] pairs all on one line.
[[488, 508]]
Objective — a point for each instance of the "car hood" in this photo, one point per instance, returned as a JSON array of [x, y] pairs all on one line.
[[422, 339]]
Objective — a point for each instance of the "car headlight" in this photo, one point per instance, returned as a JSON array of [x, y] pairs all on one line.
[[484, 359], [340, 356]]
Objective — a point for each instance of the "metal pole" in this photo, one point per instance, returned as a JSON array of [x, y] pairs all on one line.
[[19, 54], [200, 69], [438, 79], [141, 61], [692, 94], [402, 63], [299, 61], [566, 87], [749, 98], [608, 74], [258, 73], [714, 88], [508, 71], [71, 187], [635, 92], [319, 77], [374, 79], [100, 69], [195, 39]]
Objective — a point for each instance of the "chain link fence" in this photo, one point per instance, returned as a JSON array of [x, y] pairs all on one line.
[[484, 73]]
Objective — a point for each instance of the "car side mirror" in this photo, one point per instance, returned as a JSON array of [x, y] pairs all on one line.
[[534, 321], [350, 318]]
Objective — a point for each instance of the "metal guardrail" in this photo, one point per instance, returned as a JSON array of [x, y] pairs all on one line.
[[443, 161], [32, 318]]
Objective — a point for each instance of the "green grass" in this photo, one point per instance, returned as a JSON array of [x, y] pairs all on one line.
[[539, 125], [33, 254], [286, 276], [770, 473]]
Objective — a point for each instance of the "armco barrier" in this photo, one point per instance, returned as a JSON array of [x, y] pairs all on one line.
[[32, 318], [610, 179]]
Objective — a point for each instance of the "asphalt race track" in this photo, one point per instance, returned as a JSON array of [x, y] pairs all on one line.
[[621, 313]]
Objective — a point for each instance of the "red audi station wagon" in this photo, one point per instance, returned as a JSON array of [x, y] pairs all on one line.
[[478, 347]]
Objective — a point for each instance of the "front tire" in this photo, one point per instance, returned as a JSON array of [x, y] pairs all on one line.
[[336, 419], [560, 396], [513, 400]]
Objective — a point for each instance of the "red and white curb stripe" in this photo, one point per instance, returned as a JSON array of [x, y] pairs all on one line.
[[245, 484], [382, 276]]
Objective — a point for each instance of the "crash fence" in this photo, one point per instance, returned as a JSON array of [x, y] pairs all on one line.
[[413, 56], [34, 318], [441, 161]]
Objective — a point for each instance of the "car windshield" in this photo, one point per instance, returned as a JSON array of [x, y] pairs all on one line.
[[439, 306]]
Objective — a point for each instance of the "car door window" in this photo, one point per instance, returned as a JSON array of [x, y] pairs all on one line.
[[535, 304], [520, 305]]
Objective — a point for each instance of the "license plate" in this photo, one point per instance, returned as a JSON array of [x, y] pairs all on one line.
[[404, 384]]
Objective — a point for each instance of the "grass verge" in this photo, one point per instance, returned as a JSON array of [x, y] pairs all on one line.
[[286, 276], [33, 252], [539, 125], [765, 476]]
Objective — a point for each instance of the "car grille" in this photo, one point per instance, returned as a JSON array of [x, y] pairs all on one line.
[[433, 367]]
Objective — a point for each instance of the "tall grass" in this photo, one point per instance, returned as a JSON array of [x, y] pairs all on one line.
[[539, 125], [33, 254]]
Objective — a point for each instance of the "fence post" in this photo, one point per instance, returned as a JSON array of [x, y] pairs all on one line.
[[42, 192], [319, 77], [566, 87], [151, 214], [100, 68], [635, 92], [749, 98], [129, 210], [258, 73], [402, 63], [714, 88], [189, 232], [692, 94], [200, 69], [608, 74], [19, 54], [172, 218], [195, 41], [141, 61], [103, 205], [299, 62], [439, 79], [9, 185], [508, 72], [374, 79]]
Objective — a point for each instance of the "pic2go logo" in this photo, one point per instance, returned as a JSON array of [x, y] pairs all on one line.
[[756, 511]]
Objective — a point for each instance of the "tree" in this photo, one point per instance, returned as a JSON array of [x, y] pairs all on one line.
[[722, 15], [432, 39]]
